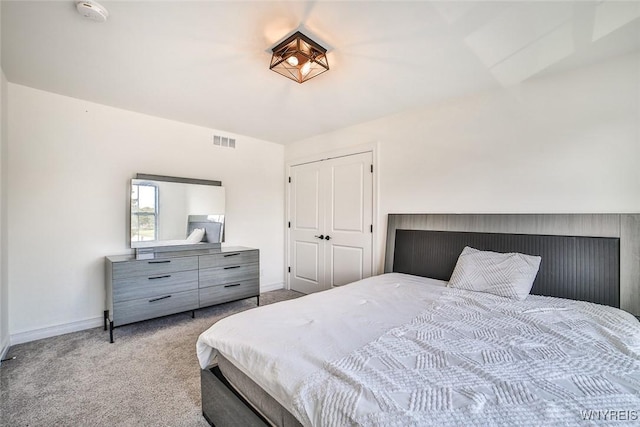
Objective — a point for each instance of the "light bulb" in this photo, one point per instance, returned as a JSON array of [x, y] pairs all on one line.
[[306, 68], [292, 60]]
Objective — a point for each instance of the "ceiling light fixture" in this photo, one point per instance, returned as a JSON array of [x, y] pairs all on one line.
[[299, 58]]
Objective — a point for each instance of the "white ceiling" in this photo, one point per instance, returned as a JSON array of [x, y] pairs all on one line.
[[206, 62]]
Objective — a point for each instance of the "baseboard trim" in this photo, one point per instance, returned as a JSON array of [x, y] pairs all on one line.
[[271, 287], [4, 349], [52, 331], [81, 325]]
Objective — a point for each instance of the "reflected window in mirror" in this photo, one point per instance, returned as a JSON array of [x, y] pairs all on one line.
[[144, 212], [166, 210]]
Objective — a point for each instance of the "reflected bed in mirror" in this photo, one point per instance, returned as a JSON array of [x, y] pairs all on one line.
[[167, 212]]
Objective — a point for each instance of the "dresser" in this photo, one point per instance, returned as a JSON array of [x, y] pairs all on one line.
[[176, 282]]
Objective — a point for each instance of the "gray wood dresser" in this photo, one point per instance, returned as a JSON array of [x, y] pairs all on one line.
[[176, 282]]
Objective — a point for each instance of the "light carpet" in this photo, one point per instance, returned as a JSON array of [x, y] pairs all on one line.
[[149, 377]]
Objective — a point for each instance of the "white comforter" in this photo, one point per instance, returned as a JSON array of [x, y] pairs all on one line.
[[279, 345], [403, 350]]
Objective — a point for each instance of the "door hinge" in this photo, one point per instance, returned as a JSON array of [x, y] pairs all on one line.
[[289, 180], [289, 269], [371, 168], [371, 228], [289, 224]]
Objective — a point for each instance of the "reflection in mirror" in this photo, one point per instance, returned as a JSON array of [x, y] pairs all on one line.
[[144, 211], [168, 211]]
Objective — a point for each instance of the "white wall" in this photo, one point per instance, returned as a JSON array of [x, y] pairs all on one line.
[[4, 283], [562, 144], [71, 162]]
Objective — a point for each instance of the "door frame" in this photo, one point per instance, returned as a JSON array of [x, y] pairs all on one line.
[[371, 147]]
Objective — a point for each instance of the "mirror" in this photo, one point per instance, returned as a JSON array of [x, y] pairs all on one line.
[[171, 211]]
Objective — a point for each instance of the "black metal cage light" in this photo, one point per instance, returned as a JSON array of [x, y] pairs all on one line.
[[299, 58]]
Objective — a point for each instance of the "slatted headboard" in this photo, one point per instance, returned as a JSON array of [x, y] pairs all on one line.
[[582, 268], [586, 257]]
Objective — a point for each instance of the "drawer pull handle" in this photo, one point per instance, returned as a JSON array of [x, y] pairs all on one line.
[[228, 255], [160, 262], [160, 277], [158, 299], [229, 268], [231, 286]]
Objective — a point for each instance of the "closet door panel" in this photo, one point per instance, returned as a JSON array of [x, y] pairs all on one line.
[[348, 219], [305, 246]]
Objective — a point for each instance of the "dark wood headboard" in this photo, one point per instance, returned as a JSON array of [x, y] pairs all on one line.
[[585, 257], [581, 268]]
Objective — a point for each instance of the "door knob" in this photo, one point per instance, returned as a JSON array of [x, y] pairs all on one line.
[[328, 237], [320, 236]]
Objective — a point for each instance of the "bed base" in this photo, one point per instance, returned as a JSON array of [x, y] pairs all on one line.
[[231, 398], [222, 405]]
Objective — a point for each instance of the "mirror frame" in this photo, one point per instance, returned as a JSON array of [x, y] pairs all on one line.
[[149, 251]]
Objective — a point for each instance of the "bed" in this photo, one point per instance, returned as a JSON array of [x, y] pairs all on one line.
[[404, 349]]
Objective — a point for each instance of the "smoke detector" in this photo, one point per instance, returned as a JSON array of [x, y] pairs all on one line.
[[92, 10]]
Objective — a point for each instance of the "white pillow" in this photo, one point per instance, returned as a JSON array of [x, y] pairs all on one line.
[[509, 275], [196, 235]]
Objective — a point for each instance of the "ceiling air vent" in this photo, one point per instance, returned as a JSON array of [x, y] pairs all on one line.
[[224, 141]]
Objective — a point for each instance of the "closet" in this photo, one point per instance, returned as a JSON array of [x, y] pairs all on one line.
[[330, 222]]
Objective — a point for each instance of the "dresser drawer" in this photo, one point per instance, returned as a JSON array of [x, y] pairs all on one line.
[[153, 267], [228, 274], [229, 292], [147, 308], [231, 258], [157, 284]]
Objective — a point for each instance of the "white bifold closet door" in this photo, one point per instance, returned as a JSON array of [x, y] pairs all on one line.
[[331, 213]]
